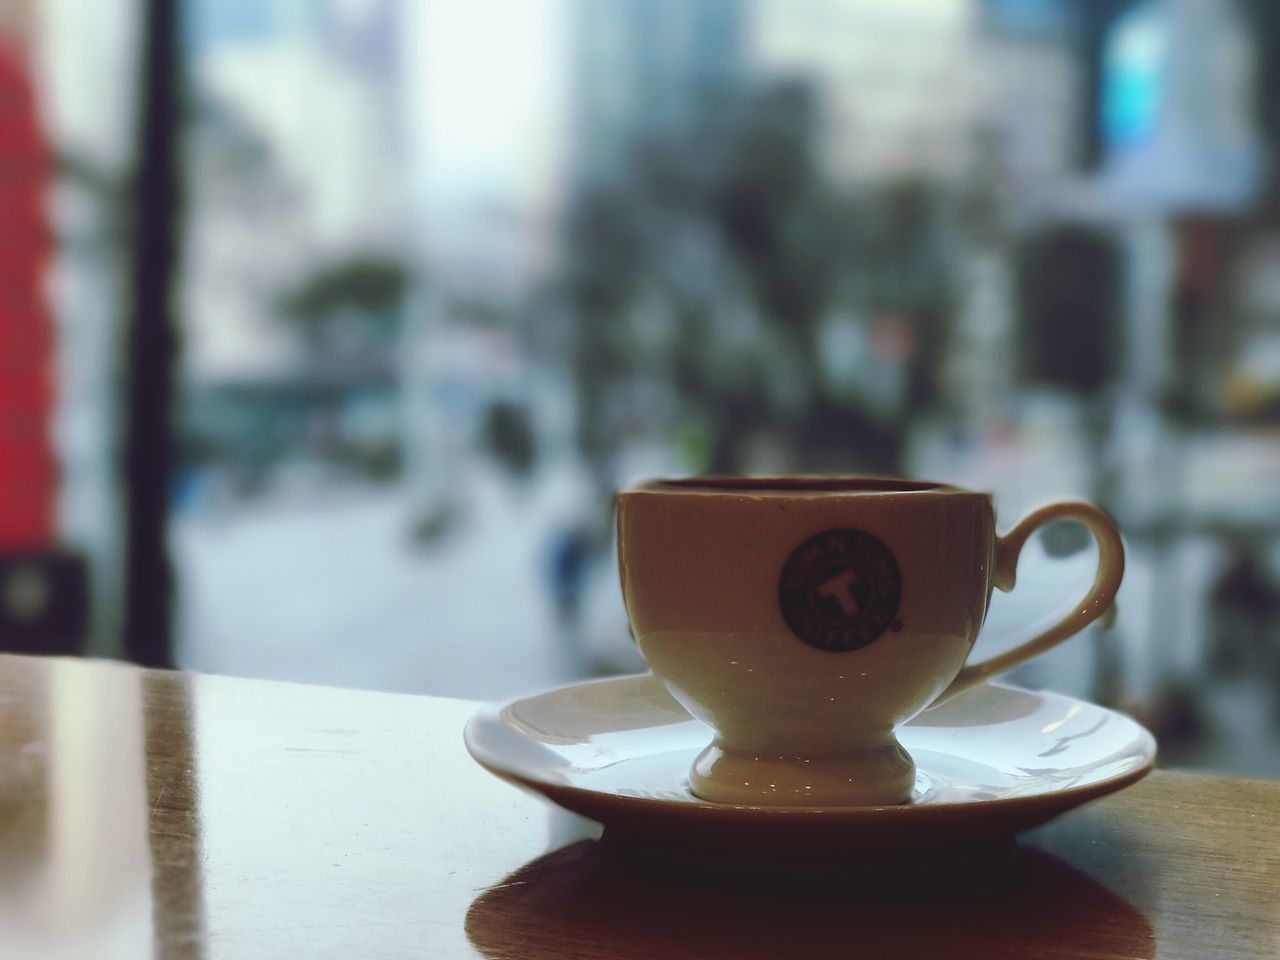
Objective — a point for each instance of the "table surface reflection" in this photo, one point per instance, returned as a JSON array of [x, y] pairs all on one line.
[[173, 815]]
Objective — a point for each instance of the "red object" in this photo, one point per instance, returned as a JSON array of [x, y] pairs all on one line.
[[28, 469]]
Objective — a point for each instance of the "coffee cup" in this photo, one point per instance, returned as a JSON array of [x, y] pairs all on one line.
[[805, 619]]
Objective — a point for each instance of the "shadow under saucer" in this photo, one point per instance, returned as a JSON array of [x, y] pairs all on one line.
[[599, 898]]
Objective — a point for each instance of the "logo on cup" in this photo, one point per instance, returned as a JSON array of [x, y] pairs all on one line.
[[840, 590]]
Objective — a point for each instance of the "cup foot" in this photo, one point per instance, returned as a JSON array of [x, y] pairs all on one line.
[[876, 776]]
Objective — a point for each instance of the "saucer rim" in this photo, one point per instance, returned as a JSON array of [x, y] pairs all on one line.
[[566, 794]]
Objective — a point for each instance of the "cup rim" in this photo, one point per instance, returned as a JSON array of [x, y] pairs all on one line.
[[825, 485]]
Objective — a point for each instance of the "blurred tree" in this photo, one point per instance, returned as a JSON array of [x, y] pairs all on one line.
[[370, 286], [710, 274], [605, 247]]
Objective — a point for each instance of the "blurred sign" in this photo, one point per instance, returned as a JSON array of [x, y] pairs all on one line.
[[28, 474], [1177, 106], [43, 602], [1134, 77]]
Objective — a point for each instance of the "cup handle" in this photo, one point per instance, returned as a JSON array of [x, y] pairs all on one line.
[[1096, 602]]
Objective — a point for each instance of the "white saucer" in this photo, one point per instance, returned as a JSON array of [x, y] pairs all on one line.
[[992, 762]]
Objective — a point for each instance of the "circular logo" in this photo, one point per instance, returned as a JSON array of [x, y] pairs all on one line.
[[840, 590]]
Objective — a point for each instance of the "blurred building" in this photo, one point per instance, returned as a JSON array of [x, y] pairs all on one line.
[[649, 71], [895, 79], [931, 90], [295, 232], [295, 167], [248, 243]]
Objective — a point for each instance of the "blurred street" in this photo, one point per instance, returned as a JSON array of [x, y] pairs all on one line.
[[348, 609]]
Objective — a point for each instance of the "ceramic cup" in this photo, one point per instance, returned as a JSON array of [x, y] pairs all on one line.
[[805, 619]]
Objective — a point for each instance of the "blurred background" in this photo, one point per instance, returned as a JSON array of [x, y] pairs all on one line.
[[329, 327]]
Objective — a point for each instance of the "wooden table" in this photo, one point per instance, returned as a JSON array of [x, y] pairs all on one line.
[[146, 813]]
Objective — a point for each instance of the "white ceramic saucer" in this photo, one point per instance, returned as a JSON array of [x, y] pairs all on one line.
[[990, 763]]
